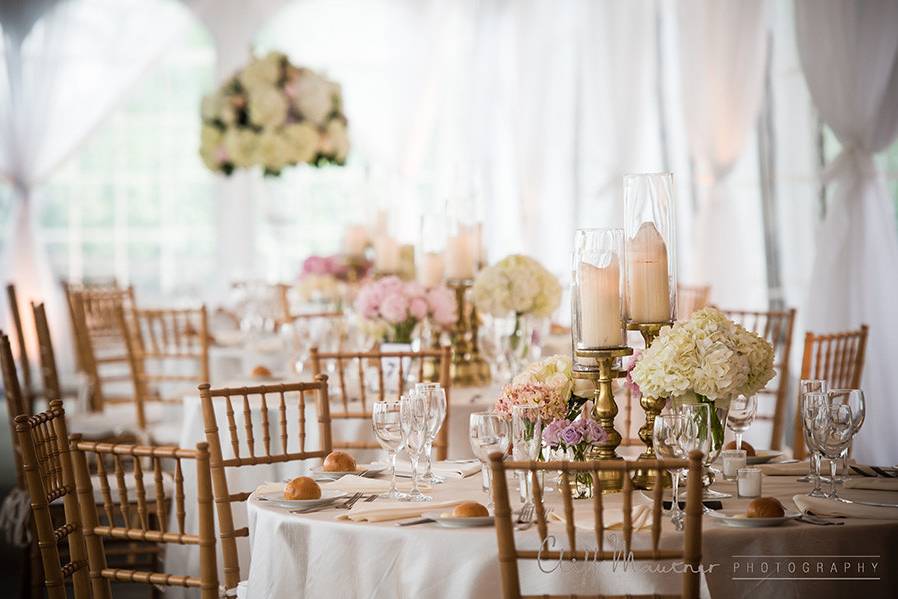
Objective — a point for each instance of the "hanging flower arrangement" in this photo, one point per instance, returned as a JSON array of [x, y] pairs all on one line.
[[273, 114]]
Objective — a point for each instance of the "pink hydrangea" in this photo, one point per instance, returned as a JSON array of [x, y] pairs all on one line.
[[551, 405]]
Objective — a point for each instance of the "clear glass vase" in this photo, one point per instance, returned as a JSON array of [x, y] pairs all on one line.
[[516, 341]]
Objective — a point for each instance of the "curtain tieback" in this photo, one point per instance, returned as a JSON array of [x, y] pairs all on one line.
[[850, 159]]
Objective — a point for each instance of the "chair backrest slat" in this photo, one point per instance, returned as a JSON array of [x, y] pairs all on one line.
[[24, 362], [838, 359], [691, 298]]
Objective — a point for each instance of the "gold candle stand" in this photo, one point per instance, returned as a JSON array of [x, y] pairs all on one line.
[[642, 478], [604, 405], [468, 369]]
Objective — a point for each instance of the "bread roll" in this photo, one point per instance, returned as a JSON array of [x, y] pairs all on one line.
[[470, 509], [302, 487], [260, 372], [765, 507], [749, 450], [339, 461]]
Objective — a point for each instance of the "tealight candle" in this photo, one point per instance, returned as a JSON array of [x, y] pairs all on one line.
[[733, 460], [748, 482]]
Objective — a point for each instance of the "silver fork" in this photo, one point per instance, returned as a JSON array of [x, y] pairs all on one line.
[[532, 521], [317, 508], [814, 519]]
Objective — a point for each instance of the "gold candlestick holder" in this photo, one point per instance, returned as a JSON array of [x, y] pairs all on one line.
[[357, 267], [604, 405], [652, 406], [468, 369]]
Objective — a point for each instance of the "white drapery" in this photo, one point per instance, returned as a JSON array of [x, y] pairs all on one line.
[[849, 54], [65, 70], [722, 52]]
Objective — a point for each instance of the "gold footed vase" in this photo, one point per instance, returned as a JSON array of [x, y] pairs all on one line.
[[643, 478], [600, 368], [468, 368]]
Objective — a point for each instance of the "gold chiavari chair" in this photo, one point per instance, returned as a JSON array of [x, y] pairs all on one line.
[[691, 298], [838, 359], [70, 289], [509, 554], [27, 385], [776, 328], [143, 517], [258, 447], [288, 315], [352, 401], [47, 466], [166, 348], [101, 347]]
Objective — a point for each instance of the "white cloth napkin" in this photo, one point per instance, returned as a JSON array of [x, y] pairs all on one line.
[[354, 483], [875, 484], [394, 510], [613, 518], [793, 468], [449, 469], [270, 488], [828, 507]]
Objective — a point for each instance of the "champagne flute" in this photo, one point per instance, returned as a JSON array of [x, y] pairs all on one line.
[[526, 433], [435, 397], [666, 437], [741, 415], [386, 420], [488, 432], [811, 403], [806, 386], [413, 417]]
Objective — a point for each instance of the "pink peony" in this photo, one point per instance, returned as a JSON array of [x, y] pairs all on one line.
[[394, 308], [417, 307], [442, 305], [368, 301]]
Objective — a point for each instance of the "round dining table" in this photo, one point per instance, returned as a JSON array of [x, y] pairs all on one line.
[[324, 554]]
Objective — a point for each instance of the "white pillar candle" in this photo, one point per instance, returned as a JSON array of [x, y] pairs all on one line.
[[647, 281], [355, 238], [600, 308], [430, 272], [386, 254], [460, 255]]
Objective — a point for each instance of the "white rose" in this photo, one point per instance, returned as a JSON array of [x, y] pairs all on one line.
[[314, 97], [267, 107]]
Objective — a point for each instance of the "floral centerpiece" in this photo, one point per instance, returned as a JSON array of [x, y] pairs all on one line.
[[273, 114], [516, 288], [707, 359], [391, 309], [575, 438]]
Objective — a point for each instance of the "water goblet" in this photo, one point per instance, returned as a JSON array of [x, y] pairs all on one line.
[[435, 397], [526, 440], [413, 418], [854, 398], [386, 421], [699, 434], [832, 427], [741, 415], [488, 433]]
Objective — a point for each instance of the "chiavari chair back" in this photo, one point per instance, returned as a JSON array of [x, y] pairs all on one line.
[[27, 385], [691, 298], [16, 404], [509, 554], [838, 359], [776, 328], [288, 315], [148, 513], [166, 348], [261, 434], [49, 373], [388, 371], [47, 466]]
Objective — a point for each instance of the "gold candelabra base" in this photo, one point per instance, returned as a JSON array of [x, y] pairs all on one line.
[[604, 405], [468, 368], [642, 478]]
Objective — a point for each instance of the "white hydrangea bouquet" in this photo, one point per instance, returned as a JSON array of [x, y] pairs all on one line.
[[516, 285], [273, 114], [707, 359]]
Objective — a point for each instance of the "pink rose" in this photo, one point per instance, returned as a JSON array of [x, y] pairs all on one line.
[[417, 307], [394, 308]]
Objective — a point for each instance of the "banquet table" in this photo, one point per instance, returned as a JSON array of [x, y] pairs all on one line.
[[318, 555]]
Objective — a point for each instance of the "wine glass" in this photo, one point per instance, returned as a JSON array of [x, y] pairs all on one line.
[[435, 396], [855, 399], [834, 423], [413, 418], [488, 432], [526, 435], [811, 403], [741, 415], [386, 420], [806, 386], [668, 441]]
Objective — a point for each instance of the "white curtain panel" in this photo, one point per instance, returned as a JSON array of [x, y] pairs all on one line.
[[722, 51], [65, 70], [849, 54]]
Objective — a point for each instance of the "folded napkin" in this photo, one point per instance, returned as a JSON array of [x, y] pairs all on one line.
[[788, 469], [448, 469], [876, 484], [394, 510], [270, 488], [829, 507], [354, 483], [613, 518]]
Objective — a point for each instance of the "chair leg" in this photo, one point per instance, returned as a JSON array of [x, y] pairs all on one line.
[[33, 577]]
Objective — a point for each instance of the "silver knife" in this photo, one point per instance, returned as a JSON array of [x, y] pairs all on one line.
[[414, 522]]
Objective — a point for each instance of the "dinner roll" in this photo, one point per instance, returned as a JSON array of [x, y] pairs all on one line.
[[470, 509], [765, 507], [339, 461], [260, 372], [302, 487], [749, 450]]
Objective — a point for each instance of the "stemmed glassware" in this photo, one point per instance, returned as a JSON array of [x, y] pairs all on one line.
[[526, 433], [435, 399], [488, 432], [676, 434], [386, 420], [413, 419], [855, 399], [741, 415], [806, 386], [834, 420]]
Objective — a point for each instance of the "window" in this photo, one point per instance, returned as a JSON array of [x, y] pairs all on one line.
[[135, 201]]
